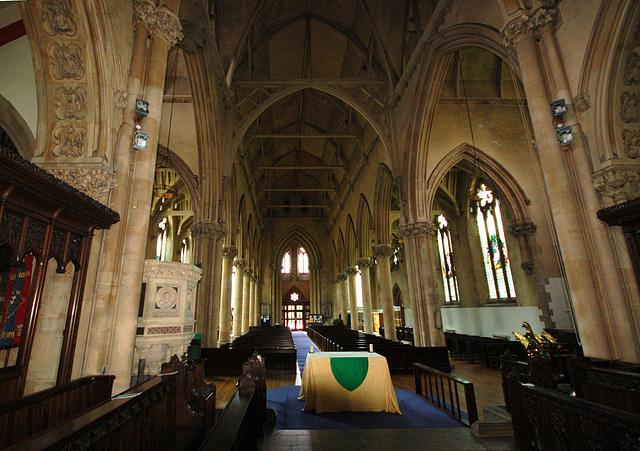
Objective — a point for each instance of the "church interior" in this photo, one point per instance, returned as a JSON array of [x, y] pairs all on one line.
[[178, 174]]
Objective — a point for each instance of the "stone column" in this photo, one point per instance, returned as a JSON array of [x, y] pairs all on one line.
[[276, 294], [421, 278], [246, 299], [344, 300], [102, 322], [615, 305], [228, 254], [239, 263], [521, 35], [164, 27], [207, 234], [254, 319], [383, 252], [335, 305], [316, 288], [353, 298], [364, 264]]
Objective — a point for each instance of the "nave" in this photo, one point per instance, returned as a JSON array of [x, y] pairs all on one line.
[[488, 390]]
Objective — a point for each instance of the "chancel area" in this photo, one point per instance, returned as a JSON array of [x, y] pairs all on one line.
[[188, 188]]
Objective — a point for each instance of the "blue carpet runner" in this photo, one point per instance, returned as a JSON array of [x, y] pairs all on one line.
[[416, 413], [303, 346]]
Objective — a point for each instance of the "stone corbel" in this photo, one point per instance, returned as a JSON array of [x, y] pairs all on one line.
[[619, 185]]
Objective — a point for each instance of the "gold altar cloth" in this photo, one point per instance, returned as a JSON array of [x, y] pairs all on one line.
[[347, 381]]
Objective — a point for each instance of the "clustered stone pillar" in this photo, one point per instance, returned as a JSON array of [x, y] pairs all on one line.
[[164, 27], [228, 254], [364, 264], [353, 298], [316, 288], [342, 288], [581, 247], [418, 238], [239, 263], [336, 297], [246, 299], [383, 253]]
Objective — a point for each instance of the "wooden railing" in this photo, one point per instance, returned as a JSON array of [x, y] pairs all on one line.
[[444, 391], [34, 413], [545, 419]]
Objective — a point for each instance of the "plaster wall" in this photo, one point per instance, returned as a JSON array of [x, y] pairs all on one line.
[[489, 321], [18, 81]]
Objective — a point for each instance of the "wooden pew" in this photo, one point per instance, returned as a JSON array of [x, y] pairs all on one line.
[[26, 417], [163, 413]]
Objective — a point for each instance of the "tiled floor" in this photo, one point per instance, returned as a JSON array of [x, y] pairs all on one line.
[[383, 439]]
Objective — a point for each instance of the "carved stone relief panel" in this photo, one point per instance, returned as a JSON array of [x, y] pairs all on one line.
[[69, 141], [57, 18], [66, 61], [632, 70], [629, 107], [71, 102], [631, 143]]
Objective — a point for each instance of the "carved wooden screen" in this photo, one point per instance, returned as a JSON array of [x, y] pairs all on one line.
[[42, 219]]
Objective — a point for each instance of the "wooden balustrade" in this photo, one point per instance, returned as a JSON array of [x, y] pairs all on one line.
[[26, 417], [545, 419], [443, 391]]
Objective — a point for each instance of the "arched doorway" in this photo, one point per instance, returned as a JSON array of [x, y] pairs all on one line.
[[295, 309]]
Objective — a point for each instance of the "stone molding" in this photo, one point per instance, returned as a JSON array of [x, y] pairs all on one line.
[[92, 182], [160, 21], [156, 269], [240, 263], [383, 250], [620, 185], [422, 228], [229, 251], [205, 228], [525, 229], [364, 263], [527, 26]]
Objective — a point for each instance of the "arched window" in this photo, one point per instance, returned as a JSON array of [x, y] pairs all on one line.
[[161, 242], [447, 265], [303, 261], [494, 246], [286, 263]]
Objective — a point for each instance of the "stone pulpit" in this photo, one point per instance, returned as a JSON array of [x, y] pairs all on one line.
[[166, 318]]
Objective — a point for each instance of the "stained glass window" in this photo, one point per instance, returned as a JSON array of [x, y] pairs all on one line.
[[447, 265], [494, 246]]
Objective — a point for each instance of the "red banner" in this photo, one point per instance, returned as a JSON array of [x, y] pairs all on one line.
[[15, 304]]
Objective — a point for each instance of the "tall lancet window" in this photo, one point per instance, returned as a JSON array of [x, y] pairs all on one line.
[[447, 264], [286, 263], [303, 261], [494, 246], [161, 242]]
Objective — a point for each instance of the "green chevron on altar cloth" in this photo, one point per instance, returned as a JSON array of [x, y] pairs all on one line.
[[347, 381]]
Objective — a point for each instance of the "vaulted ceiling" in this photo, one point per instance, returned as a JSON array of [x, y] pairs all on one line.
[[300, 154]]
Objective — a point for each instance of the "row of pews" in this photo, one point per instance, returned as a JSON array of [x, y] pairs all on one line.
[[172, 411], [583, 404], [274, 343], [483, 350], [399, 356]]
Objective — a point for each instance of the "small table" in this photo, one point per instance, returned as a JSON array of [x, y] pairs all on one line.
[[347, 381]]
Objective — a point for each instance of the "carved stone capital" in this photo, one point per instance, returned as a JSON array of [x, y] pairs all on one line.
[[160, 21], [364, 263], [341, 277], [383, 250], [335, 280], [315, 267], [229, 251], [424, 228], [526, 229], [620, 185], [351, 271], [248, 272], [155, 269], [240, 263], [527, 26], [205, 228], [93, 182]]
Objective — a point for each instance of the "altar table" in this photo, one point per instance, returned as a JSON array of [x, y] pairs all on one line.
[[347, 381]]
